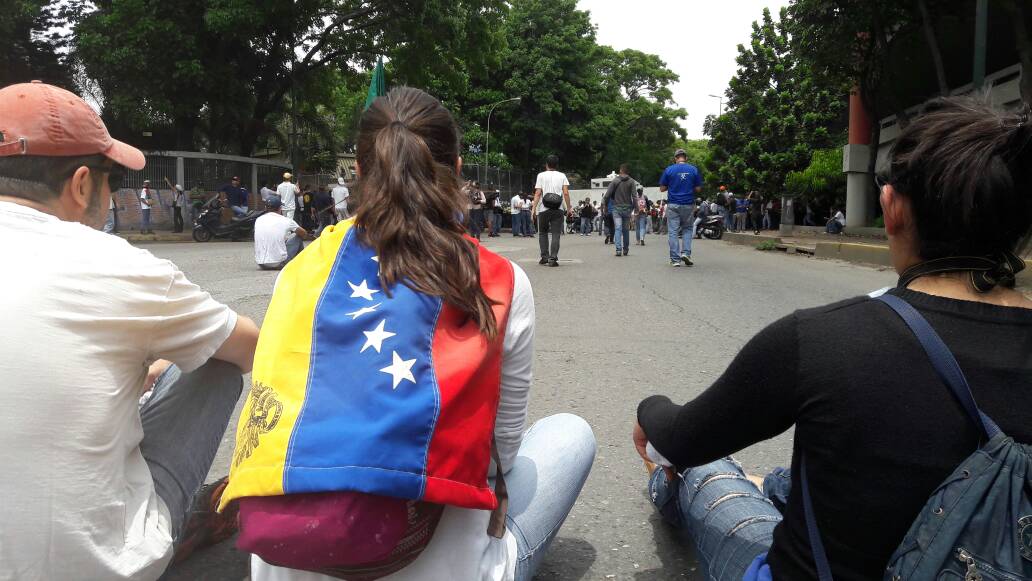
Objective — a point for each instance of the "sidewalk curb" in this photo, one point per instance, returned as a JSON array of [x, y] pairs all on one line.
[[749, 239]]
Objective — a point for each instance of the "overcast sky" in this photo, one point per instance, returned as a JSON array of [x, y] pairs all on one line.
[[698, 41]]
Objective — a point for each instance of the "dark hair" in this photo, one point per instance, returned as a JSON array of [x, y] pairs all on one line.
[[410, 204], [967, 170], [41, 178], [552, 162], [625, 168]]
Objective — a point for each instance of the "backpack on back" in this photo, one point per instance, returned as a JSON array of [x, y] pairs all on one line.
[[977, 526], [367, 415]]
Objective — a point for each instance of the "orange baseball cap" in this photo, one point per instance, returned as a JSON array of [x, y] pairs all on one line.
[[41, 119]]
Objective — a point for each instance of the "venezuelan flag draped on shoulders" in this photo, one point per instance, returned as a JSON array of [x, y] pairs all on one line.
[[357, 391]]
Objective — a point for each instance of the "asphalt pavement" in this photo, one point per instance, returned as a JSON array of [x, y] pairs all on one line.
[[610, 331]]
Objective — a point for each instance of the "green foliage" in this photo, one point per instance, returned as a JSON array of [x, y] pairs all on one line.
[[779, 111], [767, 246], [228, 68], [29, 45], [822, 180]]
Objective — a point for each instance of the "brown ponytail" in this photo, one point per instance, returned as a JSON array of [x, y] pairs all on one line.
[[410, 205]]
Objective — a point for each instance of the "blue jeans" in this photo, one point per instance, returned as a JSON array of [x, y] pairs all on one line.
[[643, 227], [679, 217], [496, 223], [550, 469], [729, 220], [621, 228], [238, 210], [729, 520], [528, 226], [585, 225], [145, 216], [517, 224], [183, 424]]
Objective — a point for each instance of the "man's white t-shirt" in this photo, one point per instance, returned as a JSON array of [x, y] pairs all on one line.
[[267, 193], [271, 232], [340, 194], [515, 205], [287, 192], [840, 217], [146, 199], [551, 181], [83, 314]]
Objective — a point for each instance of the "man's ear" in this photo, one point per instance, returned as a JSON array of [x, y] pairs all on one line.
[[78, 190], [896, 210]]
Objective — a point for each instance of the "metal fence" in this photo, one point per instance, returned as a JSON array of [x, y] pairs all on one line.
[[507, 181]]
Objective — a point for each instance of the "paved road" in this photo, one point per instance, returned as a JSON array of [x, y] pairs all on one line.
[[610, 331]]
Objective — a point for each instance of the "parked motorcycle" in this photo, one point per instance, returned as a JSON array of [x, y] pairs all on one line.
[[712, 227], [208, 224]]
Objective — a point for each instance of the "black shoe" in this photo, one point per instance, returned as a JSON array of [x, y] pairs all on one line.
[[686, 260], [553, 263], [625, 252], [618, 254], [543, 261]]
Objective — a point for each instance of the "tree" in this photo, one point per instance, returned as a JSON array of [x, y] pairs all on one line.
[[231, 65], [779, 111], [29, 44]]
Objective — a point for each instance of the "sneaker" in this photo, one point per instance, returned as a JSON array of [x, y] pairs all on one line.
[[625, 252], [687, 260], [675, 263], [205, 527], [543, 261], [643, 243], [618, 254], [553, 263]]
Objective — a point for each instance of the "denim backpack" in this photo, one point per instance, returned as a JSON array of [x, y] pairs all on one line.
[[977, 526]]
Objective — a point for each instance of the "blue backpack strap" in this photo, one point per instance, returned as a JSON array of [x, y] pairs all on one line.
[[943, 361], [816, 545]]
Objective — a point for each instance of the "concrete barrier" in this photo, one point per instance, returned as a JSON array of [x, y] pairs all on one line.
[[852, 252], [749, 239]]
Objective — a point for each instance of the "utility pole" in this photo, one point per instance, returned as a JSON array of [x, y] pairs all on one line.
[[720, 109]]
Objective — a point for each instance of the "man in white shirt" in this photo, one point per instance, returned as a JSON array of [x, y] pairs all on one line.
[[277, 239], [146, 200], [96, 485], [288, 195], [340, 195], [266, 192], [516, 209], [551, 209]]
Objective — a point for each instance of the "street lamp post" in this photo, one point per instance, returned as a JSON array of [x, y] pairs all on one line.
[[720, 109], [487, 153]]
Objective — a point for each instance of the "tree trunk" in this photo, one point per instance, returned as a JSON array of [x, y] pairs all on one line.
[[933, 47], [1019, 18]]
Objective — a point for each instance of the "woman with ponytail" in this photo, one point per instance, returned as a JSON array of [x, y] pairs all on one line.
[[385, 433], [891, 450]]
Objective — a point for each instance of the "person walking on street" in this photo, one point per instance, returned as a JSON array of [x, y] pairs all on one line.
[[682, 181], [495, 205], [526, 216], [741, 208], [643, 207], [340, 195], [551, 206], [474, 210], [623, 193], [730, 209], [587, 214], [607, 222], [97, 485], [288, 193], [178, 203], [516, 210], [146, 201]]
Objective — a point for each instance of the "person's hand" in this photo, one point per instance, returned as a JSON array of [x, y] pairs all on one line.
[[640, 441], [153, 372]]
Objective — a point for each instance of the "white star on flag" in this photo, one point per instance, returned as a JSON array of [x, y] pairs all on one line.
[[400, 369], [363, 311], [362, 290], [376, 259], [376, 337]]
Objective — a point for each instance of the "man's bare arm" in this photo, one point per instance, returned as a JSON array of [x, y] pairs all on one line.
[[239, 347]]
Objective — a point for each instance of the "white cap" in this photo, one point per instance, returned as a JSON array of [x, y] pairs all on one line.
[[340, 181]]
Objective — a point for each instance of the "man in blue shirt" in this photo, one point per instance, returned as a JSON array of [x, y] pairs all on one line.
[[681, 181], [236, 196]]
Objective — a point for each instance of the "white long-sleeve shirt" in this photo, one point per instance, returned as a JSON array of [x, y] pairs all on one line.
[[460, 548]]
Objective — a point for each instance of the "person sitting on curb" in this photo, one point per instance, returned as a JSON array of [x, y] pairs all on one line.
[[883, 414], [277, 239], [96, 485], [837, 222]]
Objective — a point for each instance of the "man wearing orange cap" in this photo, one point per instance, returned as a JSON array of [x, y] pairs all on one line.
[[97, 486]]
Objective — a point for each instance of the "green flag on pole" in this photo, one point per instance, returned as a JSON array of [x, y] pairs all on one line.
[[378, 86]]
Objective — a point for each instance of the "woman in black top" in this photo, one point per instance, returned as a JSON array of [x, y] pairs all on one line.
[[879, 429]]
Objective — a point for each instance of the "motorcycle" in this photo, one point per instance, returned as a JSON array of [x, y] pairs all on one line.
[[712, 227], [208, 224]]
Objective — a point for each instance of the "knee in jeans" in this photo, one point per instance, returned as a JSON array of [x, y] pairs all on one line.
[[573, 429], [221, 375]]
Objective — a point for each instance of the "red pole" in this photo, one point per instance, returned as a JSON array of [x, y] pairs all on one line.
[[859, 119]]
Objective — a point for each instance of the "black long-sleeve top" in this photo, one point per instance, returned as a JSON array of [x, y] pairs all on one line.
[[879, 429]]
